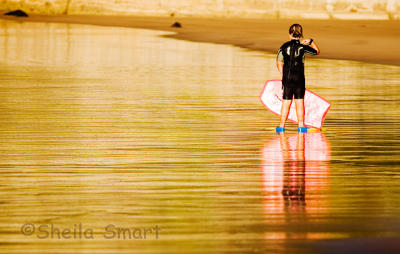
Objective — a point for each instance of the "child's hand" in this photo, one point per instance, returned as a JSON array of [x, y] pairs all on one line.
[[306, 42]]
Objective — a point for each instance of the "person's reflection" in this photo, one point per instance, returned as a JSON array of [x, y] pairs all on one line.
[[294, 167], [294, 188]]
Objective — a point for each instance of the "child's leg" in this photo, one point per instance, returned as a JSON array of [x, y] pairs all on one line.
[[285, 111], [300, 111]]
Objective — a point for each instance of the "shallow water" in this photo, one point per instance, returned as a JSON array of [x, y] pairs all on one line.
[[104, 128]]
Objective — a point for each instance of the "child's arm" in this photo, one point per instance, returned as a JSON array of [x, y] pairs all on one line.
[[315, 46], [279, 65], [312, 45], [279, 62]]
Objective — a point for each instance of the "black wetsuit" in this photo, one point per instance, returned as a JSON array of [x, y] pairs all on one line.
[[292, 54]]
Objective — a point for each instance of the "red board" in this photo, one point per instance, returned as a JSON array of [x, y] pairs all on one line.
[[315, 106]]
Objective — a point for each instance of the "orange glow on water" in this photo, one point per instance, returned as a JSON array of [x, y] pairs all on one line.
[[295, 171]]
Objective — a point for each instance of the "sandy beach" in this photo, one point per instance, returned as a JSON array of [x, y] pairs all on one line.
[[359, 40]]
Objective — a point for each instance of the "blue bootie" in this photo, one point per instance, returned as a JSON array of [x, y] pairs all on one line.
[[302, 129], [279, 129]]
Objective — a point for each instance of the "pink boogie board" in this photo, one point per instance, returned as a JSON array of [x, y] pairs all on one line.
[[315, 106]]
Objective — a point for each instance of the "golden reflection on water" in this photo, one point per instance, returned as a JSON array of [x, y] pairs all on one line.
[[119, 126], [295, 172]]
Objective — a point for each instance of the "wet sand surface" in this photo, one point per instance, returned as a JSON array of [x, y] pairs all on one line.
[[106, 128], [374, 41]]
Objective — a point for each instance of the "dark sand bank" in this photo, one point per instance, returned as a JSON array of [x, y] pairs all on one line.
[[369, 40]]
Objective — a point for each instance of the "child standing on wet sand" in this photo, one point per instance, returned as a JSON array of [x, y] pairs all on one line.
[[290, 63]]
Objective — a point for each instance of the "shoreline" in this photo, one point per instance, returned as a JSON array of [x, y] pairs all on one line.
[[358, 40]]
